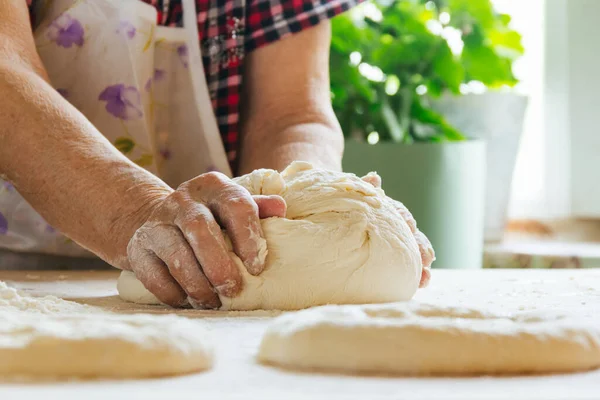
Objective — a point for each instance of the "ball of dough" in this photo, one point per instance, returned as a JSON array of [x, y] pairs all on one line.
[[417, 339], [342, 242]]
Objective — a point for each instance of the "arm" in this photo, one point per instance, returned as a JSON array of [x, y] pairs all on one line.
[[87, 189], [287, 113], [57, 160]]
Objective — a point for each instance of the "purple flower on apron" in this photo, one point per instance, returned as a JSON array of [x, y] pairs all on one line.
[[3, 225], [165, 153], [182, 51], [212, 168], [159, 74], [66, 31], [122, 101], [126, 28], [8, 186]]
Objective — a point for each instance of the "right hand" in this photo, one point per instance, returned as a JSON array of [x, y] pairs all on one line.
[[180, 254], [425, 248]]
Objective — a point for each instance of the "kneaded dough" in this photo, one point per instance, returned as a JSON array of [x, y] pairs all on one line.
[[53, 338], [342, 242], [418, 339]]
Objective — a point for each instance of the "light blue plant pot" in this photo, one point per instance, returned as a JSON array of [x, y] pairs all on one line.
[[442, 184], [497, 118]]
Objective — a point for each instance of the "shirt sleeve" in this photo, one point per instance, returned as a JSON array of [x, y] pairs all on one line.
[[270, 20]]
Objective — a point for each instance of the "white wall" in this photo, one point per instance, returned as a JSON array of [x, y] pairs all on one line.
[[530, 183], [583, 55], [558, 168]]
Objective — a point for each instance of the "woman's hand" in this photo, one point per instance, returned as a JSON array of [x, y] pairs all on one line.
[[180, 254], [425, 248]]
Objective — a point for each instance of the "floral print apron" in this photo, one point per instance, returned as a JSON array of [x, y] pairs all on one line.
[[140, 84]]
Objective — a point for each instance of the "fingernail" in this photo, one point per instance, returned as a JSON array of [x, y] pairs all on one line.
[[256, 264]]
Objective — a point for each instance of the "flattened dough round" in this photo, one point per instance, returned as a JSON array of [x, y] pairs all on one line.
[[343, 241], [416, 339], [53, 338]]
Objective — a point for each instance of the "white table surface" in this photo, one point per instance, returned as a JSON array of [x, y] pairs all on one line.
[[237, 376]]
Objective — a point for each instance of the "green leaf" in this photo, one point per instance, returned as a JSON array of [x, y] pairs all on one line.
[[507, 43], [391, 121], [484, 65], [401, 45], [344, 75], [405, 53], [479, 10], [348, 37], [448, 68], [435, 87], [431, 122], [124, 145], [452, 134], [504, 19]]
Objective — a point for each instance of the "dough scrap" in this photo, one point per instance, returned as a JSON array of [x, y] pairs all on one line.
[[52, 338], [418, 339], [342, 242]]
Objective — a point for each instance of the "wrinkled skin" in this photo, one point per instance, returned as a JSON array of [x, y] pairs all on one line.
[[180, 254]]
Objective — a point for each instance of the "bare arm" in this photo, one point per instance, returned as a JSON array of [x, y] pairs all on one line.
[[287, 113], [57, 160], [83, 186]]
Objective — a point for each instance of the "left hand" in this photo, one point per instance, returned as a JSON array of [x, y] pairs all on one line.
[[425, 248]]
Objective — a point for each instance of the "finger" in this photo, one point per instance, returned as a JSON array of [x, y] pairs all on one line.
[[155, 277], [406, 216], [373, 179], [238, 214], [205, 238], [169, 244], [425, 277], [425, 248], [270, 206]]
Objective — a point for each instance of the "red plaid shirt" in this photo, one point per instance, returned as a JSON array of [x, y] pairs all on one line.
[[231, 28]]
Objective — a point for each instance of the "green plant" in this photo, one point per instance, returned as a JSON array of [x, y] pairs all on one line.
[[389, 58]]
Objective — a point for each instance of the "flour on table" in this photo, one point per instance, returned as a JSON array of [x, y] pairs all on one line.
[[342, 242], [54, 338], [417, 339]]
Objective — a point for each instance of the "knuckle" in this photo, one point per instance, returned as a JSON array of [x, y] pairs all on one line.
[[212, 178], [214, 181], [137, 242], [177, 197], [241, 206], [199, 229], [193, 220]]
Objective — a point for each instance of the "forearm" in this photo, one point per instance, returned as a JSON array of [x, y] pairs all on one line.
[[318, 143], [67, 170]]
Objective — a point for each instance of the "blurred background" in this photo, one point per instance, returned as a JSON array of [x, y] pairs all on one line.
[[480, 115]]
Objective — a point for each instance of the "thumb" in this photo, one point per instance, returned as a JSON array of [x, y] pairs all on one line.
[[270, 206], [373, 179]]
